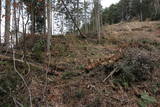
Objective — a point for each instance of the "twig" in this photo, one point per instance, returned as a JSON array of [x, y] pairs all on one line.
[[3, 90], [115, 70], [14, 62], [29, 68], [45, 86], [46, 76], [17, 102]]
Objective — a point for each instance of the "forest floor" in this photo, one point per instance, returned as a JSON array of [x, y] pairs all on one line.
[[123, 70]]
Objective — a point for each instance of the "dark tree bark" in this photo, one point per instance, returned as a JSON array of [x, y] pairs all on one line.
[[7, 21], [15, 20], [0, 20]]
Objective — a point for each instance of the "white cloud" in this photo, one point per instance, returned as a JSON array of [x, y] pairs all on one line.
[[107, 3]]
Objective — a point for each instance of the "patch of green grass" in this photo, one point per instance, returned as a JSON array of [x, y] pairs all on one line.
[[145, 99], [80, 67], [9, 83], [154, 43], [39, 45], [79, 94], [158, 26], [155, 88], [122, 82], [38, 49], [6, 105], [69, 75], [3, 62], [63, 50]]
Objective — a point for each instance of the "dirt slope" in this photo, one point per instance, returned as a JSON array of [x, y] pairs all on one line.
[[79, 69], [76, 88]]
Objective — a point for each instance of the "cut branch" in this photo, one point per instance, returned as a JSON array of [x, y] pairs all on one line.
[[111, 74]]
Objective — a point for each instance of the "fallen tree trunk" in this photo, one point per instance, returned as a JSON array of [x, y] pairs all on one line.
[[21, 61], [109, 59], [51, 69], [18, 54]]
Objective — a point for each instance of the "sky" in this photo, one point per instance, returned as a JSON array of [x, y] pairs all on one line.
[[107, 3]]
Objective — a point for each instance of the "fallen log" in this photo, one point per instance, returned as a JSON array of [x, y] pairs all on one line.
[[51, 70], [109, 59], [21, 61], [18, 53]]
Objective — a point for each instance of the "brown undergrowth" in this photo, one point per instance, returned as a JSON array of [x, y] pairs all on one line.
[[123, 70]]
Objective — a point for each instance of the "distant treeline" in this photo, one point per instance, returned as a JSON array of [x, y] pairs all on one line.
[[127, 10]]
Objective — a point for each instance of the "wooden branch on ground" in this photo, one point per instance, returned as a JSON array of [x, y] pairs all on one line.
[[111, 74], [52, 68], [21, 61], [10, 52], [110, 59]]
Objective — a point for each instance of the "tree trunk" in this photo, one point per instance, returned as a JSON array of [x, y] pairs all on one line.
[[97, 16], [74, 16], [0, 21], [141, 12], [78, 20], [85, 17], [49, 22], [33, 17], [18, 20], [15, 21], [45, 16], [7, 21]]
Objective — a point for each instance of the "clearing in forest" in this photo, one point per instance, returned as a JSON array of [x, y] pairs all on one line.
[[122, 70]]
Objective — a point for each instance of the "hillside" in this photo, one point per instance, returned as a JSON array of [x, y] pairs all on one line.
[[123, 70]]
